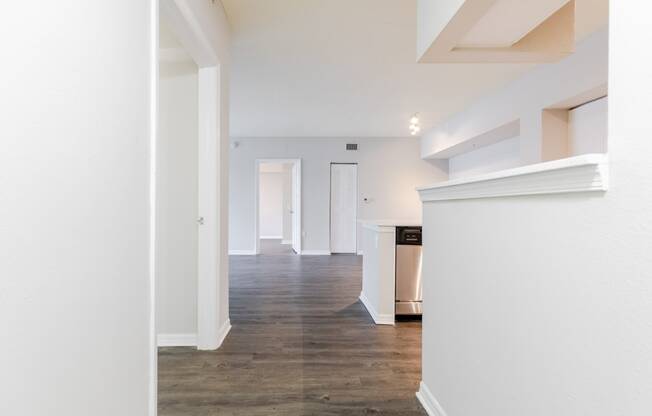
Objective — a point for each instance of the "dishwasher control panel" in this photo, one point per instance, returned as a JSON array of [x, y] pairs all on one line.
[[408, 236]]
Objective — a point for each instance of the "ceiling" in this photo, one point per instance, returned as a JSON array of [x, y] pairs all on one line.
[[347, 68]]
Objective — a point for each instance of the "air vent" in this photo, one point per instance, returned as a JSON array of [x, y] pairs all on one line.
[[351, 146]]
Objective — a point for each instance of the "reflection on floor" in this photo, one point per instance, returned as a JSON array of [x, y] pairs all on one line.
[[301, 344], [273, 247]]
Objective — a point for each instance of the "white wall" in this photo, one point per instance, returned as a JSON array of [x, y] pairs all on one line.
[[547, 311], [271, 204], [502, 155], [287, 204], [177, 199], [74, 208], [587, 127], [523, 99], [432, 18], [203, 29], [388, 172]]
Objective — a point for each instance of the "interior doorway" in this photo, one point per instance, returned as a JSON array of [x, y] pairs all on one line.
[[278, 206], [177, 193], [344, 208]]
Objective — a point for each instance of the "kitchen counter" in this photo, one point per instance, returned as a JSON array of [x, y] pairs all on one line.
[[378, 267], [390, 223]]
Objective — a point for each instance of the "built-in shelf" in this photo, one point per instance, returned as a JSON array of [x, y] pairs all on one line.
[[585, 173]]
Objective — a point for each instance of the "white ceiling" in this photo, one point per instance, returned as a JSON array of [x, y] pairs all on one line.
[[347, 68], [496, 29]]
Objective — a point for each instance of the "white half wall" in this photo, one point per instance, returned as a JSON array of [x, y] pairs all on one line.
[[547, 311], [388, 172], [505, 154], [75, 145], [177, 199], [271, 205]]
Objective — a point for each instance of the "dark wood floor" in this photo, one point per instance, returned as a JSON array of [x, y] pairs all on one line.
[[301, 344]]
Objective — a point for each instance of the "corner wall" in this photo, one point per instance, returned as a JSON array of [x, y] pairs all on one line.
[[548, 311]]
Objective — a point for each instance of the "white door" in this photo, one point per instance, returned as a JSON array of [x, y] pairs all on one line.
[[296, 207], [344, 203]]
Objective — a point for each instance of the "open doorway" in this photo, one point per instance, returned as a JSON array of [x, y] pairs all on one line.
[[177, 194], [278, 206]]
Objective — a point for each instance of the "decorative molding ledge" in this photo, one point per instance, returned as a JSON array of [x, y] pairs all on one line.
[[585, 173], [378, 318], [176, 340], [428, 401]]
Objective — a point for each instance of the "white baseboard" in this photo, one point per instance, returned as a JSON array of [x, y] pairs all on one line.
[[223, 332], [176, 340], [242, 252], [428, 401], [315, 253], [286, 241], [214, 344], [378, 318], [271, 237]]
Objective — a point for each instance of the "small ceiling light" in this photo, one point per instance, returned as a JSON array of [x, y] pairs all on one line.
[[414, 124]]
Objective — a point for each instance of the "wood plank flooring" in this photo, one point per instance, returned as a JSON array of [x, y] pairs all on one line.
[[301, 344]]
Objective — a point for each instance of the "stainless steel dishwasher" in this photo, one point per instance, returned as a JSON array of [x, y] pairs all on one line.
[[408, 271]]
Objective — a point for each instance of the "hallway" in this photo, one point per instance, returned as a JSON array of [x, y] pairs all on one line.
[[301, 344]]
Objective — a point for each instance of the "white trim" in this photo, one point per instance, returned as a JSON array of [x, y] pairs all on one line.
[[297, 226], [223, 332], [286, 241], [586, 173], [428, 401], [271, 237], [209, 268], [360, 253], [378, 318], [315, 253], [242, 252], [177, 340], [152, 405]]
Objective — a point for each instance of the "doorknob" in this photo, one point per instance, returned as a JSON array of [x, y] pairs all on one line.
[[200, 220]]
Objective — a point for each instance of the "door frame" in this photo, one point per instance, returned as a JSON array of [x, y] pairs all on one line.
[[297, 231], [330, 202]]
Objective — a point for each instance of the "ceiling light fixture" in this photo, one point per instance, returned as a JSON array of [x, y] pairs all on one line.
[[414, 124]]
